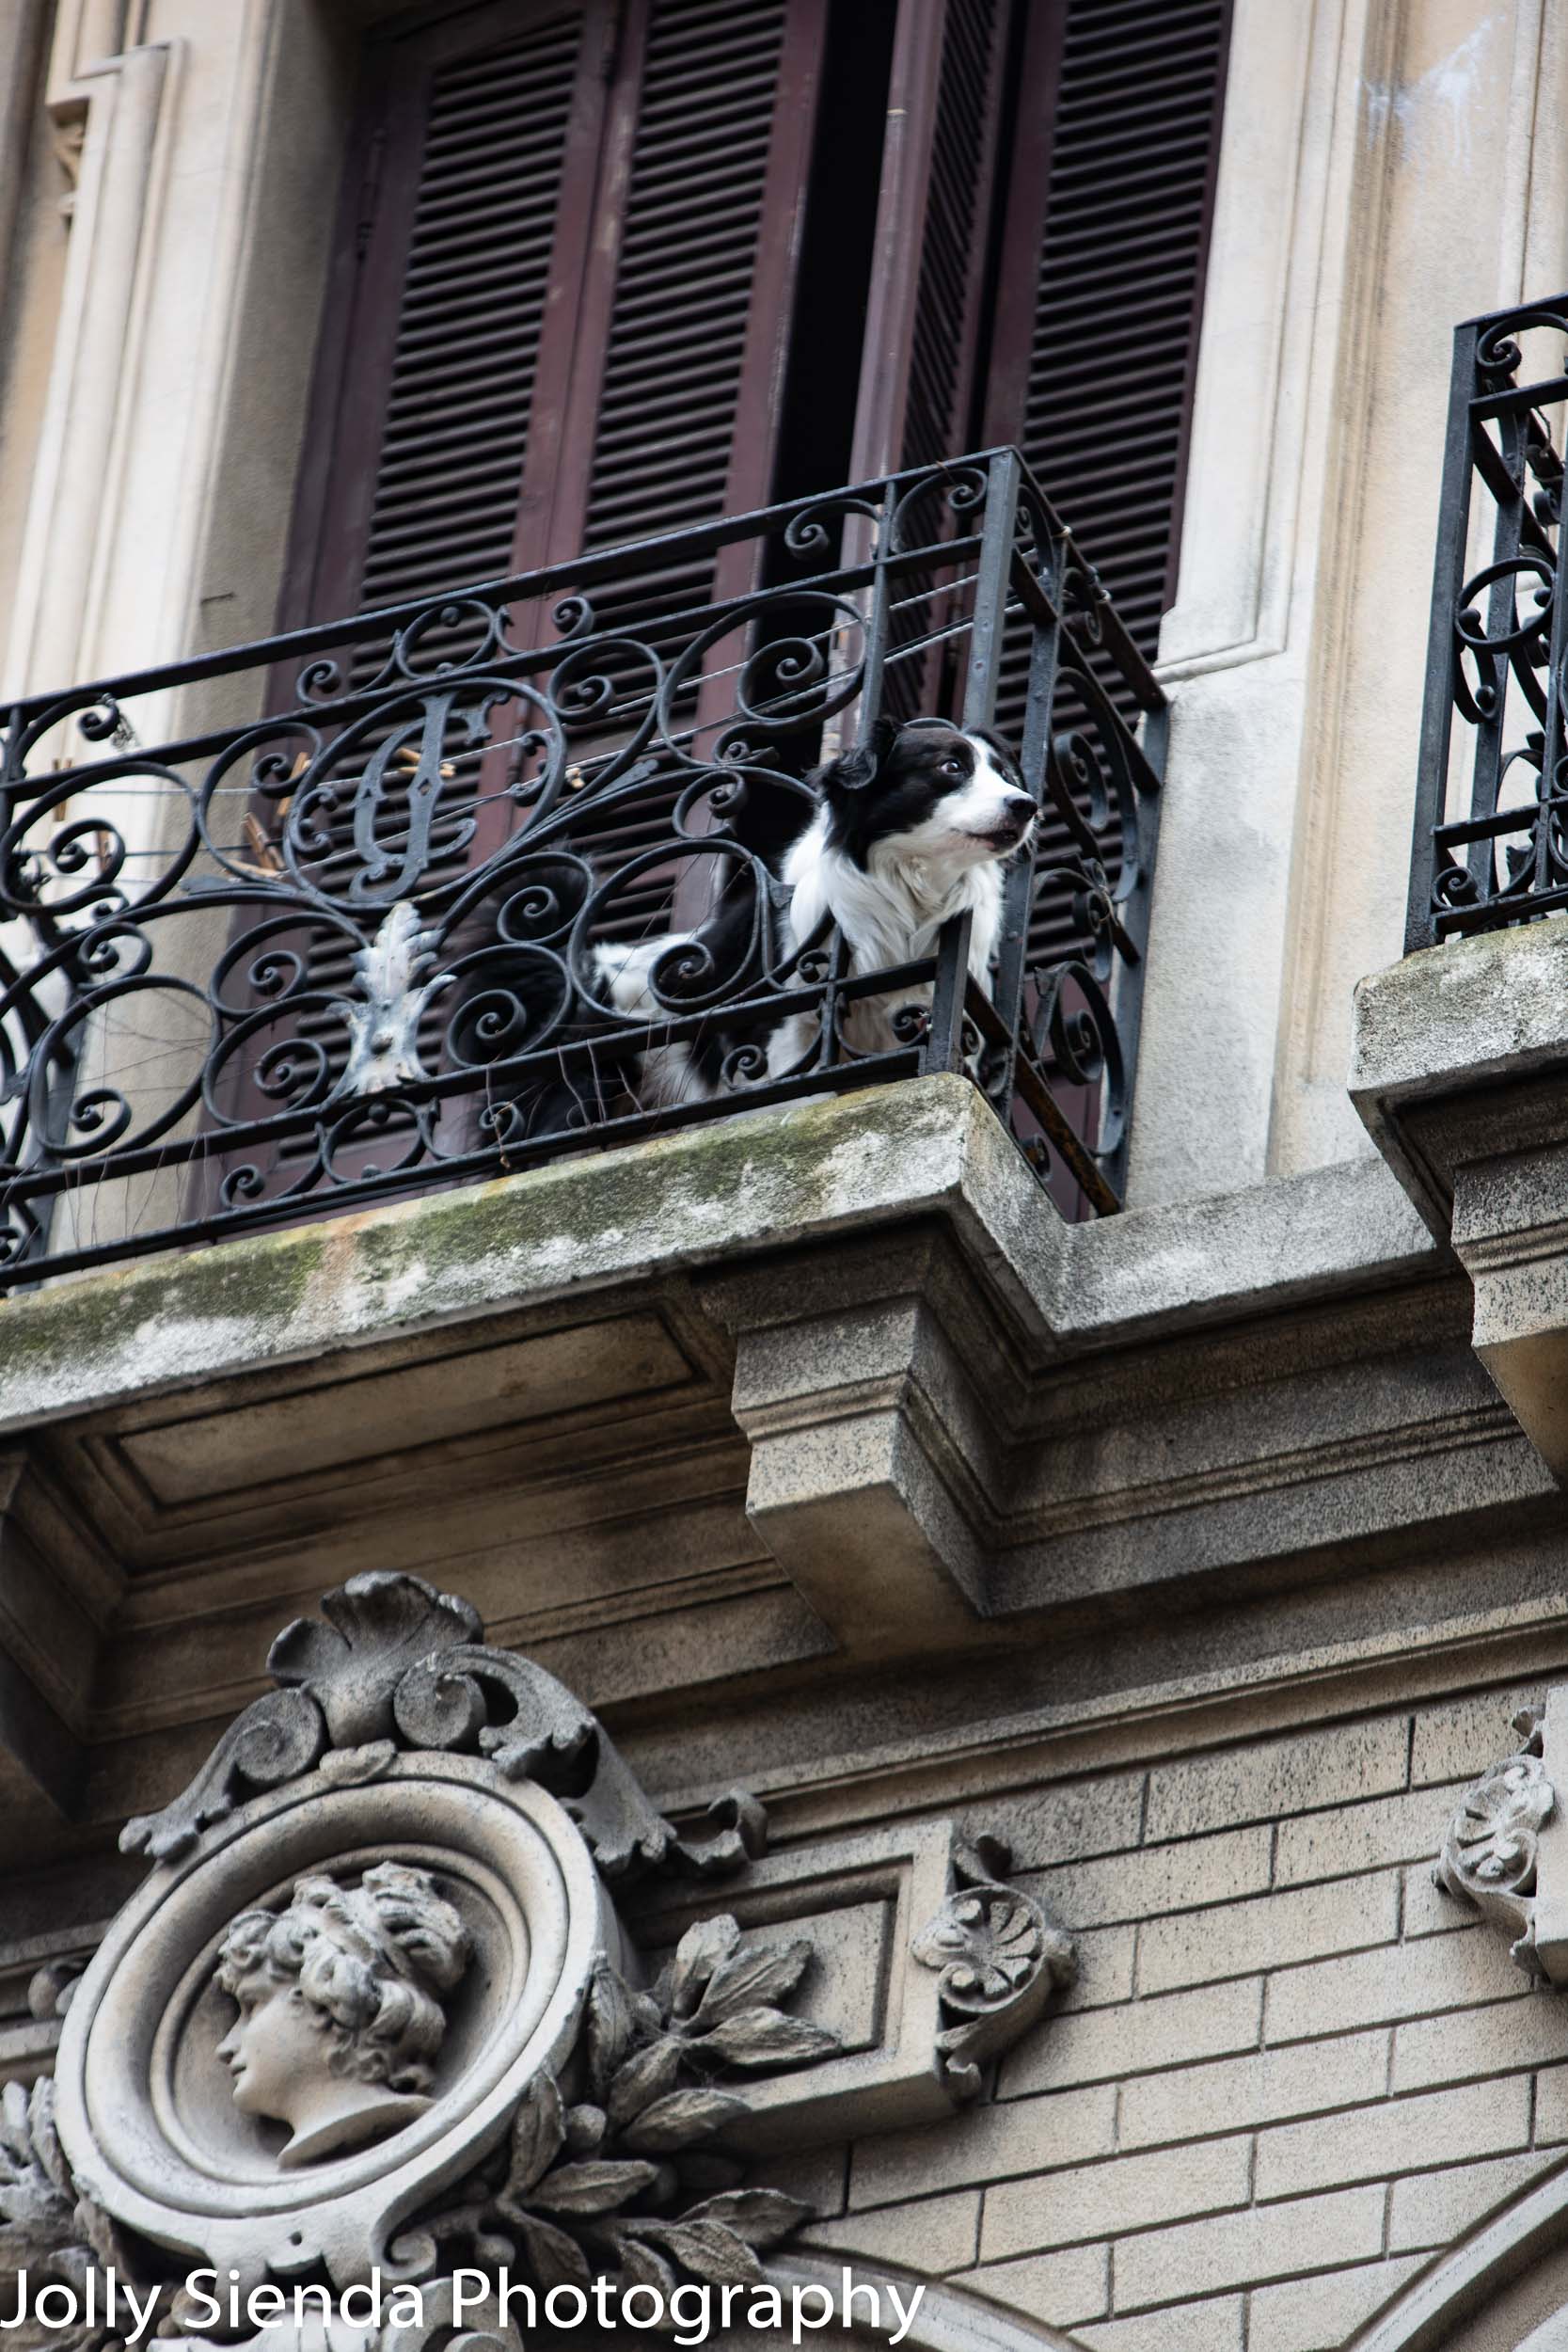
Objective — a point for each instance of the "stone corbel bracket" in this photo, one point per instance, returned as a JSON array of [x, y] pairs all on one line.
[[1502, 1851]]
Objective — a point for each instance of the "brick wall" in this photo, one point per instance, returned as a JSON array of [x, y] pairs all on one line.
[[1291, 2070]]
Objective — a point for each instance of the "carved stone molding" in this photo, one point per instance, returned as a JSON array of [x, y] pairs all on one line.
[[376, 2009], [106, 110], [154, 2128], [888, 1915]]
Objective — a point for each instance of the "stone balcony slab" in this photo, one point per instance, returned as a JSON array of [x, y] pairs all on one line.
[[720, 1416]]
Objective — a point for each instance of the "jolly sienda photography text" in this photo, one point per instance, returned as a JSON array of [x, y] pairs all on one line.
[[689, 2314]]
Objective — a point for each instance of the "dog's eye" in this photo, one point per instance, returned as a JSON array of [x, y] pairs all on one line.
[[952, 767]]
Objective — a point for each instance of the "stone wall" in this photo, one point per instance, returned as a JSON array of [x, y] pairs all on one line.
[[1292, 2068]]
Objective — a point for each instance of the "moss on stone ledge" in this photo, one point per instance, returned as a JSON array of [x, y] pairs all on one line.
[[789, 1153], [701, 1192], [265, 1278]]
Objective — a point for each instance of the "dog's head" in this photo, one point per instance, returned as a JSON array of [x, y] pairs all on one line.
[[927, 791]]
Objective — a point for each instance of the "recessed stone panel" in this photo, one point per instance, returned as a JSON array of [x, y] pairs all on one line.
[[286, 1438]]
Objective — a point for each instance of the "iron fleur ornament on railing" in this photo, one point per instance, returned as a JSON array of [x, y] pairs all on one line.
[[1491, 842], [321, 919]]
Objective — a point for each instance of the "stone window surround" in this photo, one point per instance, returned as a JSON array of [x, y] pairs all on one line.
[[200, 243]]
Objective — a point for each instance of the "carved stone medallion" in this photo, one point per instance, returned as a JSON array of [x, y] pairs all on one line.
[[375, 2012], [332, 2002]]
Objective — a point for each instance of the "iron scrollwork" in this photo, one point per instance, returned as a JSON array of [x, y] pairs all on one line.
[[1497, 648], [372, 939]]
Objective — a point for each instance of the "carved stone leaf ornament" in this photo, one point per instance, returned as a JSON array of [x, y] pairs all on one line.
[[374, 2008], [45, 2227], [399, 1666], [602, 2186]]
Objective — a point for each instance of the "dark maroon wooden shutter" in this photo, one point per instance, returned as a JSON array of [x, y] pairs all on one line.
[[474, 133], [1119, 288], [469, 185], [924, 330], [675, 409], [569, 311], [945, 332], [1100, 294], [683, 322], [465, 366], [923, 325]]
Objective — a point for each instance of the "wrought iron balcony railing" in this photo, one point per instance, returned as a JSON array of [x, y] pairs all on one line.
[[313, 921], [1491, 843]]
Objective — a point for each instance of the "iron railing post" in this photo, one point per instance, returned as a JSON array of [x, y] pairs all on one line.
[[1017, 895], [1127, 1002], [1432, 759], [1004, 475], [945, 1037], [1003, 478]]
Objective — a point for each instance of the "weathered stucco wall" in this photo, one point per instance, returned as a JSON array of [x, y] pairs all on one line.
[[1386, 172]]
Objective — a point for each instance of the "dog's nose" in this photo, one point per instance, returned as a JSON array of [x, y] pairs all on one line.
[[1018, 815]]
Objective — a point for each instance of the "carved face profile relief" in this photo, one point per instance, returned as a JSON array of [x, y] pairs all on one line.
[[342, 2005]]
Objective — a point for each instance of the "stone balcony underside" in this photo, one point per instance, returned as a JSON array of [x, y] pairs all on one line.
[[728, 1413]]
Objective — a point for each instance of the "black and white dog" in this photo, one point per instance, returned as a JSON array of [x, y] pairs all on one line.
[[912, 829]]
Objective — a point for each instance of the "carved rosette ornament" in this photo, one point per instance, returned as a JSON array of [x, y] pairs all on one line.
[[1001, 1958], [1490, 1857], [374, 2013]]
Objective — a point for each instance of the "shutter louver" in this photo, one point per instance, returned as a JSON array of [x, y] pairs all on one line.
[[1120, 283], [682, 289], [953, 240], [478, 275], [681, 320], [474, 275], [945, 327], [1118, 298]]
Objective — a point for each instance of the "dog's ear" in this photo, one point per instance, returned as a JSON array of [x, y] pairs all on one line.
[[857, 771]]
